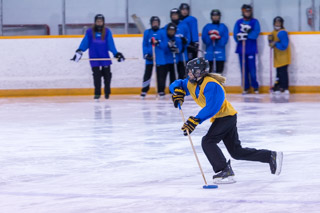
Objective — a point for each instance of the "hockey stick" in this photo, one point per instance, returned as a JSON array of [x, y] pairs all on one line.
[[270, 69], [175, 64], [206, 186], [106, 59], [214, 66], [243, 62], [154, 67]]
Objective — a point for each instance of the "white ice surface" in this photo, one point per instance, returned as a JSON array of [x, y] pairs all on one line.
[[69, 154]]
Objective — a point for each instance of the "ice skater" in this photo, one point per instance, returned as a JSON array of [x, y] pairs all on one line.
[[245, 33], [99, 41], [207, 91], [215, 36], [279, 41]]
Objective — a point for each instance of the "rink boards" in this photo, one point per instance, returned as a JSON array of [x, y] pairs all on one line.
[[40, 65]]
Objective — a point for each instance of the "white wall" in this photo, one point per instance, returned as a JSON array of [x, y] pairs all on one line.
[[83, 11], [45, 63]]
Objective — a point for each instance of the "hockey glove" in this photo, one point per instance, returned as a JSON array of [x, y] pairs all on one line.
[[119, 56], [178, 96], [77, 56], [214, 36], [242, 36], [184, 40], [190, 125], [154, 41], [245, 28], [193, 46], [148, 57], [173, 47]]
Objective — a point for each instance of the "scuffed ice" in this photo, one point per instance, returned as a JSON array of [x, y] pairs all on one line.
[[70, 154]]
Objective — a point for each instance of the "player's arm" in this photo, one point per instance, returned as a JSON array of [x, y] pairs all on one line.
[[205, 37], [194, 30], [254, 33], [84, 45], [224, 36], [236, 30], [284, 41], [113, 49], [180, 83], [214, 99], [145, 44]]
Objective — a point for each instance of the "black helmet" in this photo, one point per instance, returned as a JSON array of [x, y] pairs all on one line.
[[154, 18], [171, 26], [175, 11], [247, 7], [215, 12], [99, 16], [199, 67], [184, 6], [280, 19]]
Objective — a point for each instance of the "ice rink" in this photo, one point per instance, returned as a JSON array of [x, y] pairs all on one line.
[[70, 154]]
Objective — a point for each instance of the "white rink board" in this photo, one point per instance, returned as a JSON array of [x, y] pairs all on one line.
[[44, 63]]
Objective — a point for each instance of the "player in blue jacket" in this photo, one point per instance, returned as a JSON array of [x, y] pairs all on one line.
[[192, 23], [207, 91], [184, 34], [156, 33], [247, 30], [215, 36], [99, 41], [173, 48]]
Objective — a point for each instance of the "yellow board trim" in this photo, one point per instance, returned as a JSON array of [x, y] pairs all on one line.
[[130, 91], [126, 35]]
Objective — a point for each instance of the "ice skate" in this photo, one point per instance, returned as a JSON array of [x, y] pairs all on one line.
[[226, 176], [256, 91], [143, 95], [96, 98], [276, 162]]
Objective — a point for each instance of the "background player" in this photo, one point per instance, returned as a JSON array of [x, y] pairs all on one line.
[[184, 34], [215, 36], [154, 31], [207, 91], [247, 29], [99, 41], [279, 41], [192, 24]]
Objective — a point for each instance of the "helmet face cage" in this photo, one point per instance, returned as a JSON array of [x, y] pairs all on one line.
[[199, 67]]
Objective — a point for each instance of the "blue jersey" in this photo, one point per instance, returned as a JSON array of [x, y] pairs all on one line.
[[146, 44], [192, 24], [213, 93], [182, 31], [251, 42], [98, 47], [168, 54], [284, 40], [219, 47]]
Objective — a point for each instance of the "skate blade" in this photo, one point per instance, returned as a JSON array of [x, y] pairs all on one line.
[[228, 180], [279, 162]]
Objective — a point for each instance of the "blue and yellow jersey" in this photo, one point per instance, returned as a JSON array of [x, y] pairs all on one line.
[[210, 96], [282, 51]]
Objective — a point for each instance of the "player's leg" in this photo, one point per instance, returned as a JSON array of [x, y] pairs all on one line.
[[107, 75], [214, 154], [162, 76], [220, 66], [96, 72], [172, 74], [251, 60], [181, 70], [211, 66], [246, 74], [146, 79], [283, 76], [233, 145]]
